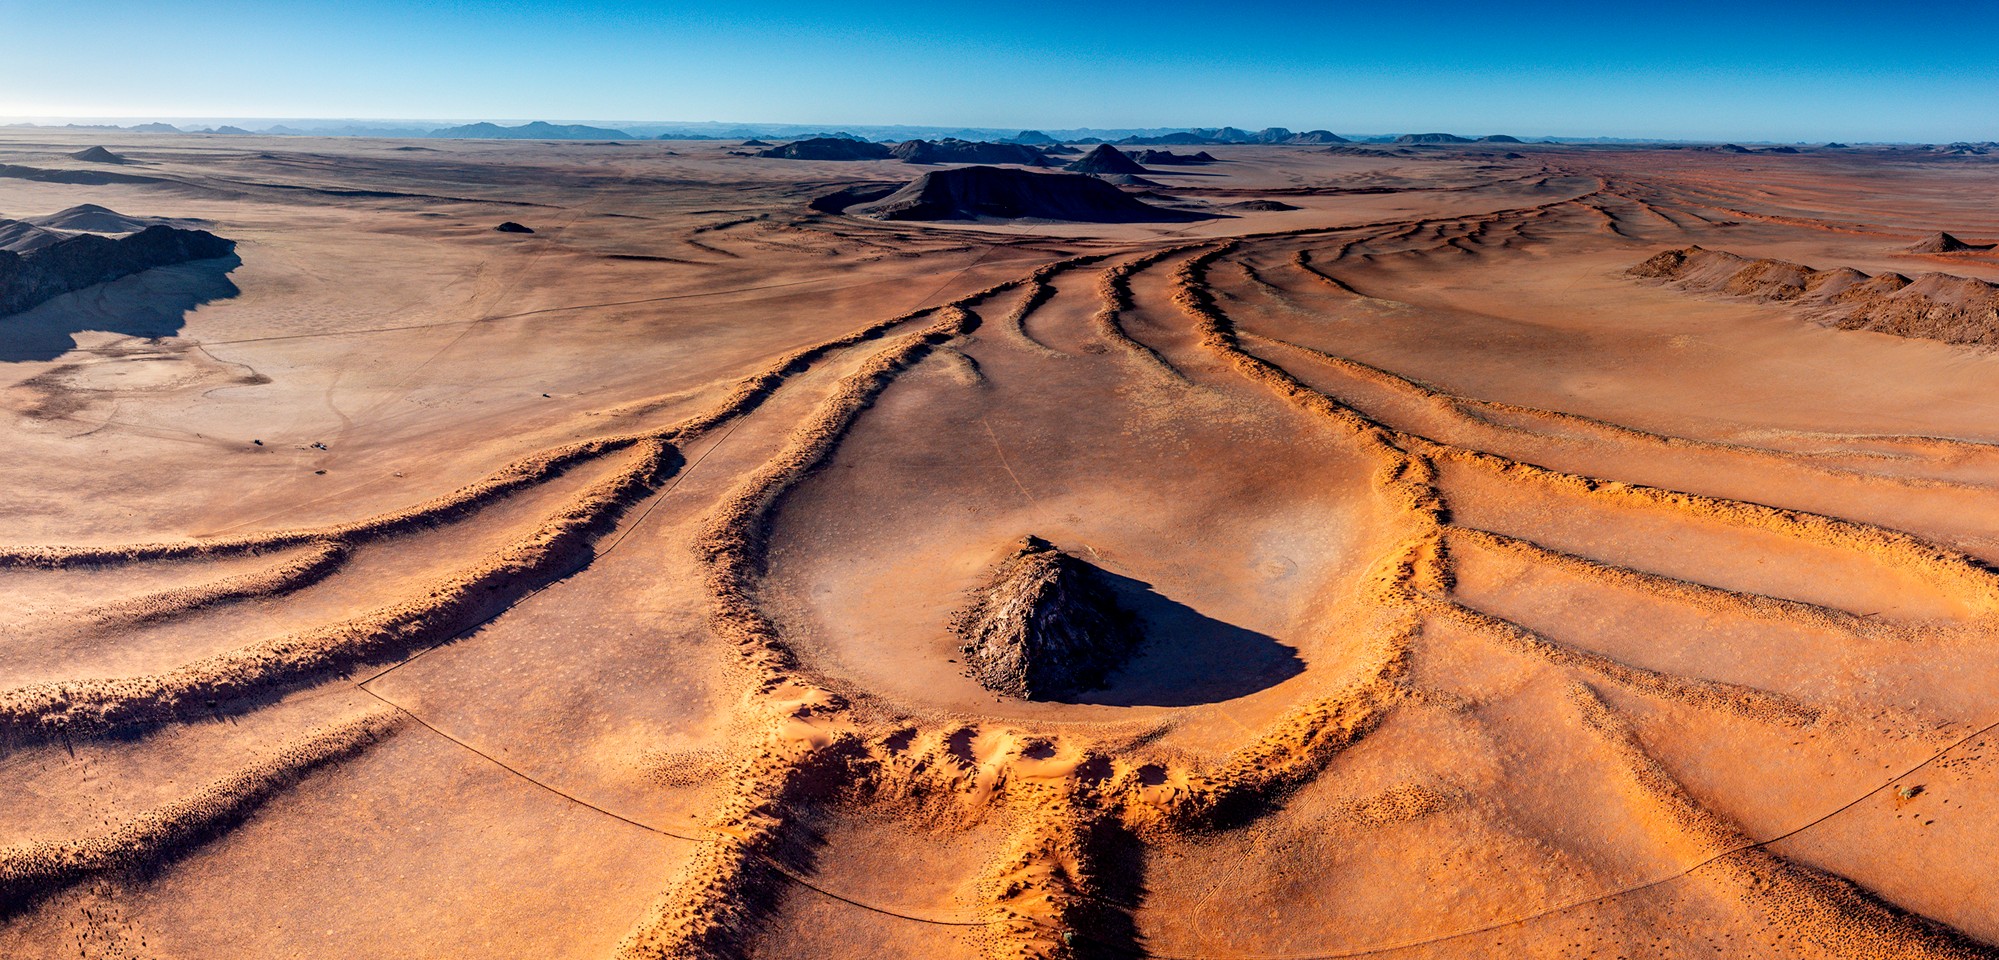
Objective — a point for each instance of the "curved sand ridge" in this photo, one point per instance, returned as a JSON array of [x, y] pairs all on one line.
[[1484, 533]]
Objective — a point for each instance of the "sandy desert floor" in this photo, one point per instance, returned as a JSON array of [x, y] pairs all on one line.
[[403, 588]]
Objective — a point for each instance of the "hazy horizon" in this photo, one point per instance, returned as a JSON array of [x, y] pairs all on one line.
[[1785, 72], [330, 123]]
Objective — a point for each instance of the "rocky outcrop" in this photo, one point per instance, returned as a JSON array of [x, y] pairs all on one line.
[[1167, 158], [953, 150], [1045, 627], [1105, 159], [1261, 206], [1941, 242], [97, 155], [85, 260], [977, 193], [827, 148], [1933, 306]]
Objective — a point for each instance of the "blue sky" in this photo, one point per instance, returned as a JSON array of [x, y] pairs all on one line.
[[1690, 68]]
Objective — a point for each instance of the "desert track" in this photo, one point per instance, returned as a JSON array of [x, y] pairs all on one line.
[[1534, 674]]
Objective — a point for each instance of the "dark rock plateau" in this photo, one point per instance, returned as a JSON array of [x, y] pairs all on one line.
[[827, 148], [971, 193], [27, 279]]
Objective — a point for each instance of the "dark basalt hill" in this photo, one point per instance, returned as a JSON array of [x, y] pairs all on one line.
[[96, 178], [1167, 158], [98, 155], [34, 233], [974, 193], [21, 236], [827, 148], [1045, 626], [953, 150], [85, 260], [1262, 206], [1126, 180], [1432, 138], [91, 218], [1105, 159]]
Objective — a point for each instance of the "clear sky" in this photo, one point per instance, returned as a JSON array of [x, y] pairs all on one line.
[[1742, 70]]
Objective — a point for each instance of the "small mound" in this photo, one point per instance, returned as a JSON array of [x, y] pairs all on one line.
[[973, 193], [754, 142], [1126, 180], [21, 236], [512, 227], [1941, 242], [1045, 626], [827, 148], [91, 218], [1105, 159], [1262, 206], [98, 155]]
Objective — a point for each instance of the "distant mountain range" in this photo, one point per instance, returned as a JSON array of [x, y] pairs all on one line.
[[716, 130]]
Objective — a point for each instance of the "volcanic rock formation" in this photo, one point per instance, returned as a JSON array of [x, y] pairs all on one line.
[[1046, 626], [98, 155], [1432, 138], [1169, 158], [970, 193], [91, 218], [1126, 180], [953, 150], [74, 263], [827, 148], [512, 227], [1933, 306], [1105, 159], [1262, 206]]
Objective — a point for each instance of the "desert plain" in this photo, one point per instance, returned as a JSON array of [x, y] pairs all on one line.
[[1533, 550]]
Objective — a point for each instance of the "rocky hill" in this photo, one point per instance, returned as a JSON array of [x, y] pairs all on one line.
[[85, 260], [999, 193]]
